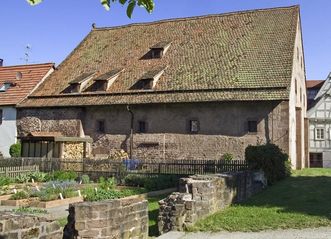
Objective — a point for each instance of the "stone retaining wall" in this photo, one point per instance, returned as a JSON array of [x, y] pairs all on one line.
[[200, 196], [119, 218], [17, 226]]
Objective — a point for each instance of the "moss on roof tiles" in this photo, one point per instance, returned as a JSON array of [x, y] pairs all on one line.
[[252, 49]]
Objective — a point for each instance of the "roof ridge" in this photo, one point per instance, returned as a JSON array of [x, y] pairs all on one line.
[[28, 65], [297, 6]]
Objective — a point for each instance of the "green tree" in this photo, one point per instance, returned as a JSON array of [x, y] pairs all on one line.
[[131, 4]]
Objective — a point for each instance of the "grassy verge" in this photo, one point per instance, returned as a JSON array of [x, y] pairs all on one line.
[[153, 212], [301, 201]]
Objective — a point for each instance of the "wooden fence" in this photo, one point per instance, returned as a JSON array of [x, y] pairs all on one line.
[[111, 167], [12, 172]]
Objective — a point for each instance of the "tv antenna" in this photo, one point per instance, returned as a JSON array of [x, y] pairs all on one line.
[[27, 53]]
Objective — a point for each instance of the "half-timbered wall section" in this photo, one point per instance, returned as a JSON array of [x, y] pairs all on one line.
[[320, 127]]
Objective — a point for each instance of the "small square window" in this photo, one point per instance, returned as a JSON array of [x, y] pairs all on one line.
[[156, 53], [101, 126], [319, 134], [194, 126], [142, 126], [252, 126]]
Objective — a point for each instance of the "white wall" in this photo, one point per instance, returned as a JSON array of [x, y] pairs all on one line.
[[298, 99], [8, 131]]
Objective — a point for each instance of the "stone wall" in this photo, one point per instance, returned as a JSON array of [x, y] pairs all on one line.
[[16, 226], [120, 218], [200, 196], [223, 127]]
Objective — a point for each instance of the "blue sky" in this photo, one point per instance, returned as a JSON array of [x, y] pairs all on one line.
[[54, 28]]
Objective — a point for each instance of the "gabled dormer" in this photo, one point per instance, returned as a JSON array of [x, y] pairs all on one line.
[[149, 79], [159, 49], [103, 82], [6, 85], [80, 83]]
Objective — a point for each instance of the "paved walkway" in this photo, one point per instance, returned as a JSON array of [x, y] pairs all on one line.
[[315, 233]]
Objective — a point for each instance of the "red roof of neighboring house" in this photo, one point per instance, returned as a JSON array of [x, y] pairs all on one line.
[[21, 88], [314, 83]]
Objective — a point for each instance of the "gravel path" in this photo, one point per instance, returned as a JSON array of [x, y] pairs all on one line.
[[314, 233]]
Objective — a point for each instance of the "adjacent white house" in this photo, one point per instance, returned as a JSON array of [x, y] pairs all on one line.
[[319, 116], [16, 83]]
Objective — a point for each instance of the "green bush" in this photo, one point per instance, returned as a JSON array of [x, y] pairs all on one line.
[[20, 195], [135, 180], [227, 157], [85, 179], [152, 183], [22, 178], [4, 181], [270, 159], [38, 176], [106, 184], [15, 150], [101, 194], [62, 176]]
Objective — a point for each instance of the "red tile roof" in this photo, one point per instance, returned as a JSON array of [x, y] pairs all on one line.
[[31, 76], [236, 56], [314, 83]]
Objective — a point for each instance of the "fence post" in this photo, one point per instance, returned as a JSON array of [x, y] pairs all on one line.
[[6, 171]]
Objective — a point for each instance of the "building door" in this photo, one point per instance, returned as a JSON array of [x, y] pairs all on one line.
[[316, 160]]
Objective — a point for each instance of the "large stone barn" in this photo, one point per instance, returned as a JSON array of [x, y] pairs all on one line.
[[190, 88]]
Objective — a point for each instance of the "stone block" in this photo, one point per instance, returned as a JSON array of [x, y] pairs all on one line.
[[30, 233], [101, 223], [89, 233], [52, 227]]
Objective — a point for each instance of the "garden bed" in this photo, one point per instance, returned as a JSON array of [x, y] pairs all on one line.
[[19, 202], [57, 203]]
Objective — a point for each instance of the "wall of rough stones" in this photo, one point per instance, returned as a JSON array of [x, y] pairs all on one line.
[[200, 196], [16, 226], [119, 218], [223, 127]]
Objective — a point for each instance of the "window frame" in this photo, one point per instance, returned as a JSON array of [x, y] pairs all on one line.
[[100, 122], [319, 137], [190, 126], [142, 130], [256, 126]]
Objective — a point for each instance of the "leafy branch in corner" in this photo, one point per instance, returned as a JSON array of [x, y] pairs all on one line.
[[131, 4]]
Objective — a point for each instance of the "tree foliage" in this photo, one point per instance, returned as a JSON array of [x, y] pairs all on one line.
[[131, 4]]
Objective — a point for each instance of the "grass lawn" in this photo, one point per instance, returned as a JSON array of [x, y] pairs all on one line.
[[301, 201]]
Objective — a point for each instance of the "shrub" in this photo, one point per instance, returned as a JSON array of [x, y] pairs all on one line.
[[38, 176], [85, 179], [4, 181], [22, 178], [152, 183], [135, 180], [106, 184], [227, 157], [15, 150], [63, 175], [46, 196], [101, 194], [20, 195], [270, 159]]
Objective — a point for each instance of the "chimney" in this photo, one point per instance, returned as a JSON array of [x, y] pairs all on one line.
[[1, 62]]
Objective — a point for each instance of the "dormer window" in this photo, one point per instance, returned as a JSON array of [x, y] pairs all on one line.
[[148, 80], [103, 82], [77, 85], [159, 49], [6, 86]]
